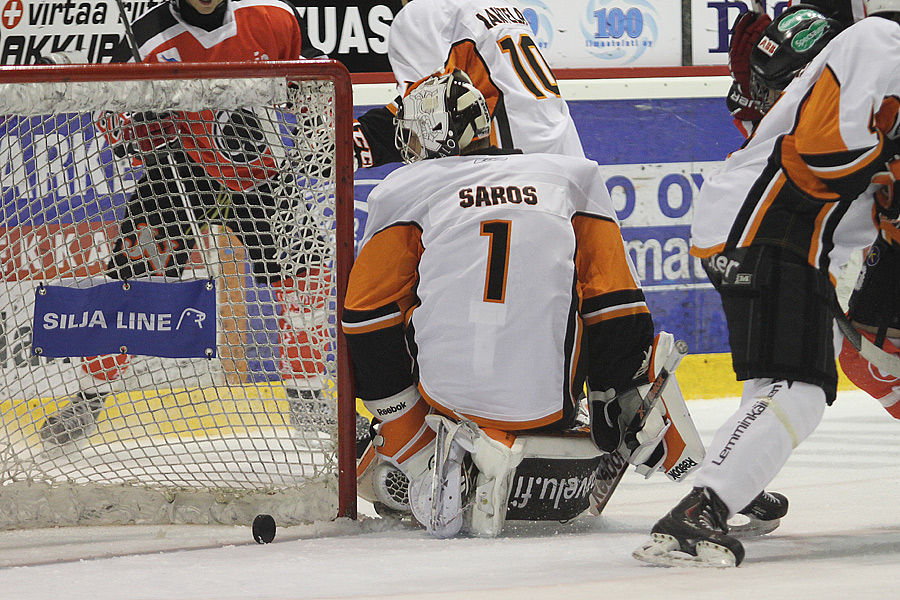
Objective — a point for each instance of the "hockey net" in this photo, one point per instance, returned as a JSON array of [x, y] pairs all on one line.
[[265, 421]]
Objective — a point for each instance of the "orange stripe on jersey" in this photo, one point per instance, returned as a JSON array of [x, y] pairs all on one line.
[[372, 326], [465, 57], [774, 190], [816, 242], [493, 423], [616, 313], [707, 252], [600, 261], [575, 358], [385, 270], [818, 134], [886, 117]]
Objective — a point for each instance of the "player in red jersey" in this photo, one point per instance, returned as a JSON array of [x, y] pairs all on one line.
[[208, 166]]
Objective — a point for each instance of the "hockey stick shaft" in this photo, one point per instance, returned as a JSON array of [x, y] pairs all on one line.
[[129, 33], [885, 361], [613, 465], [757, 6]]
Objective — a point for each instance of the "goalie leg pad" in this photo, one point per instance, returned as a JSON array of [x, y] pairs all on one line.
[[437, 494], [555, 478], [496, 463]]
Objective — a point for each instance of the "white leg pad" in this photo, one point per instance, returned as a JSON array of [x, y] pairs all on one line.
[[496, 464]]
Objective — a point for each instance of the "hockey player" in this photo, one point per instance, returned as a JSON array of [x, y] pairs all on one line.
[[491, 41], [489, 286], [186, 187], [793, 196], [773, 65]]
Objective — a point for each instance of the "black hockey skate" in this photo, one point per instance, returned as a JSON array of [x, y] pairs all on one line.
[[694, 533], [75, 421], [760, 517]]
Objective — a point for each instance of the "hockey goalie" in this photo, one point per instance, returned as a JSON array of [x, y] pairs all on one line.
[[492, 286]]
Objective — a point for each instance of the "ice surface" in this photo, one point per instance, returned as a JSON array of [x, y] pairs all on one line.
[[841, 539]]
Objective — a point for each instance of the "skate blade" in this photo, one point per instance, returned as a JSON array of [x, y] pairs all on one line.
[[664, 550], [750, 526]]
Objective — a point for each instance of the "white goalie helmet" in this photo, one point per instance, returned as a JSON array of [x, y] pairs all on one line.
[[441, 115], [882, 6]]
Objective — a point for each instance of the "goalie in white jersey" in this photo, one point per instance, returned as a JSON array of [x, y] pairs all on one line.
[[489, 287], [491, 41], [793, 204]]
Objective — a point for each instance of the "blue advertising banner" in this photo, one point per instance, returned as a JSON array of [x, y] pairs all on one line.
[[171, 319]]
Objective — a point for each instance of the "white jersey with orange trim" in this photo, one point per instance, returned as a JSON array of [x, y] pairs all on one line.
[[496, 263], [795, 181], [492, 42]]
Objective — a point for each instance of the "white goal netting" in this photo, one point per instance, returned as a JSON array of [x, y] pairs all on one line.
[[120, 189]]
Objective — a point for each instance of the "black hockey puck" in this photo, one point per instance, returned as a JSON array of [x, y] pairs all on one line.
[[263, 529]]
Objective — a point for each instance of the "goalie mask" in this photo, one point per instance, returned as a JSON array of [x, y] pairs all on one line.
[[441, 116], [786, 46]]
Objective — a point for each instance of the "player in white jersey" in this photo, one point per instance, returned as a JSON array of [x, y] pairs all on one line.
[[793, 201], [490, 285], [492, 42]]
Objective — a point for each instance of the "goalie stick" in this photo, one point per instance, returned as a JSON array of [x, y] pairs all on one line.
[[613, 465]]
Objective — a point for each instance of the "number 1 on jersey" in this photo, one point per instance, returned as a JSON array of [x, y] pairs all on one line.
[[498, 259]]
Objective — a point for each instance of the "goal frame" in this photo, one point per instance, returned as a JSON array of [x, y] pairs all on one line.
[[299, 70]]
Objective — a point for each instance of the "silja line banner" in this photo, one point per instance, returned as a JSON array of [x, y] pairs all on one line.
[[167, 319]]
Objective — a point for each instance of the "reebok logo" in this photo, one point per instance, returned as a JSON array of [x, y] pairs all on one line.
[[679, 470], [383, 412]]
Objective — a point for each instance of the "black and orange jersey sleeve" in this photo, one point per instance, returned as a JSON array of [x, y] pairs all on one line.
[[618, 326], [814, 155], [380, 294]]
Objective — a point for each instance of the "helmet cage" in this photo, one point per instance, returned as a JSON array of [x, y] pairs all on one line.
[[440, 116], [786, 46]]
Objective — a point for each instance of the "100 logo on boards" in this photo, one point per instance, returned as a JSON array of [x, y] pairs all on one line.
[[620, 30]]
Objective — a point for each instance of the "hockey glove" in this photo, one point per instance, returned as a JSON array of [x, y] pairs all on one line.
[[743, 109], [362, 153], [744, 37]]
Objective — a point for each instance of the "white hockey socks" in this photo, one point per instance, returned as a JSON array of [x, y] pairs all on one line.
[[751, 447]]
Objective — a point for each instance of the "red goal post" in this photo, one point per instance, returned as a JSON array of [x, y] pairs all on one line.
[[232, 430]]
